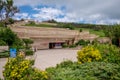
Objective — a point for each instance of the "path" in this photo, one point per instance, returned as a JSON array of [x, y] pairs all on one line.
[[49, 58]]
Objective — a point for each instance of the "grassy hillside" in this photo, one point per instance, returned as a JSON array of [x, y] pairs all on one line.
[[100, 33]]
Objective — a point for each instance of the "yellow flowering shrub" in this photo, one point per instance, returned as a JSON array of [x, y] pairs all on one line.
[[20, 68], [16, 68], [88, 54]]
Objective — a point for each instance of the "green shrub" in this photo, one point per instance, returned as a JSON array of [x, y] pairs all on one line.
[[94, 42], [109, 53], [37, 75], [86, 71], [113, 32], [8, 36], [29, 52], [11, 21], [32, 22], [18, 44], [83, 42], [65, 64], [1, 24], [27, 43], [80, 30], [88, 54], [2, 43], [32, 61], [69, 26], [1, 79], [4, 54], [18, 47], [64, 45]]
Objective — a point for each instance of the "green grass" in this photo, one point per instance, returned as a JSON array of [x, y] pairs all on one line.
[[39, 25], [100, 33]]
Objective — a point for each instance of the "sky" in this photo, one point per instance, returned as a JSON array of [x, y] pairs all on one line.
[[78, 11]]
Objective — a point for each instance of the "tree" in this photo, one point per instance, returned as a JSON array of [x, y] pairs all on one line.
[[114, 33], [27, 43], [7, 9], [1, 9], [8, 36], [67, 25]]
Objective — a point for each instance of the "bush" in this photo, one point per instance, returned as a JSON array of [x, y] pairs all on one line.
[[86, 71], [29, 52], [69, 26], [27, 43], [64, 45], [11, 21], [2, 43], [16, 68], [21, 69], [32, 61], [4, 54], [2, 24], [80, 30], [65, 64], [18, 44], [31, 22], [8, 36], [1, 79], [69, 46], [109, 53], [83, 42], [113, 32], [95, 42], [38, 75], [88, 54]]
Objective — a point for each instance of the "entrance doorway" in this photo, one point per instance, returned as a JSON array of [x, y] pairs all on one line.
[[55, 45], [51, 45]]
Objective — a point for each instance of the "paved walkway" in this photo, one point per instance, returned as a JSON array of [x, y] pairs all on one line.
[[2, 63], [47, 58]]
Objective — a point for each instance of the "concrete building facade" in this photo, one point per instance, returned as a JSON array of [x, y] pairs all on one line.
[[47, 38]]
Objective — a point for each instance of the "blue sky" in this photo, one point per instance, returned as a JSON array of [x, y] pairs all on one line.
[[80, 11]]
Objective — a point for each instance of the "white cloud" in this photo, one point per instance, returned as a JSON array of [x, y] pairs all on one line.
[[19, 16], [76, 10], [47, 13], [68, 17]]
